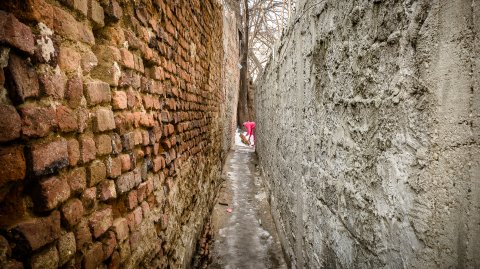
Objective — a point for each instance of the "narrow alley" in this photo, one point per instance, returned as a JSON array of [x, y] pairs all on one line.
[[244, 233]]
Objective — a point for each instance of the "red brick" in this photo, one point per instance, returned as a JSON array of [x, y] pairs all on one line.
[[142, 192], [96, 13], [38, 232], [93, 257], [12, 164], [67, 119], [119, 100], [158, 163], [96, 173], [109, 244], [128, 141], [10, 123], [115, 261], [79, 5], [69, 59], [53, 84], [125, 182], [120, 227], [66, 248], [116, 143], [145, 209], [49, 157], [64, 24], [47, 258], [16, 33], [106, 190], [72, 212], [104, 144], [37, 121], [100, 221], [127, 58], [83, 116], [83, 236], [126, 162], [52, 192], [138, 214], [104, 120], [89, 61], [74, 92], [113, 10], [97, 92], [114, 167], [21, 78], [89, 197], [132, 200], [73, 151], [88, 150], [77, 179]]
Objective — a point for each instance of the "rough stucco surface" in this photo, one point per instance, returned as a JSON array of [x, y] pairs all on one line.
[[368, 120]]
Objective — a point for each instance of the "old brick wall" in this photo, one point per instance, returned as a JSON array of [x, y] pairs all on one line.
[[111, 130], [367, 123]]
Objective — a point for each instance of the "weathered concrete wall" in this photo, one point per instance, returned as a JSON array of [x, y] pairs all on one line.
[[111, 131], [368, 136]]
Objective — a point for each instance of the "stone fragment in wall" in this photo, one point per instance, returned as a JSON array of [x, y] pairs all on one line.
[[94, 256], [72, 212], [37, 121], [35, 233], [108, 73], [66, 248], [10, 123], [21, 79], [15, 33], [116, 144], [47, 258], [12, 164], [126, 162], [104, 120], [51, 192], [100, 221], [46, 50], [48, 157]]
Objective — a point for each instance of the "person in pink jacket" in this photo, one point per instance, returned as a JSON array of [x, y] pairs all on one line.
[[250, 126]]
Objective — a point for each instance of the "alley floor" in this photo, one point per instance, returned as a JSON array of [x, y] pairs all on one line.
[[244, 235]]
